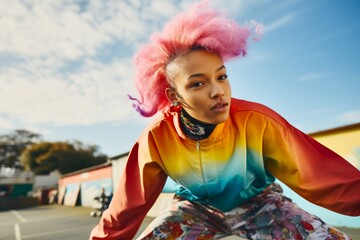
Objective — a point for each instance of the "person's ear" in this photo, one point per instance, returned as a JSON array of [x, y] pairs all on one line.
[[171, 96]]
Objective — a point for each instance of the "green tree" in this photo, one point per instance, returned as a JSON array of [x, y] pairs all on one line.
[[45, 157], [12, 145]]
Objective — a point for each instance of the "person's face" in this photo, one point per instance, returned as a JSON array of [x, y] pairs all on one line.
[[202, 86]]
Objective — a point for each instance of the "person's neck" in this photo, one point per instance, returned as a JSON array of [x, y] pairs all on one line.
[[193, 128]]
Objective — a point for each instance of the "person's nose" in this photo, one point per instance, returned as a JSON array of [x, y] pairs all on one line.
[[217, 90]]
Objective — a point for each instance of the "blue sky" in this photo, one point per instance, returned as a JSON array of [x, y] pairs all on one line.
[[65, 66]]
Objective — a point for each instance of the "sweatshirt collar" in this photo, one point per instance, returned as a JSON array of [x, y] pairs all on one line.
[[217, 134]]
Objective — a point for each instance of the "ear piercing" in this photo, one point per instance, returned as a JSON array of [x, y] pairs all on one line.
[[175, 103]]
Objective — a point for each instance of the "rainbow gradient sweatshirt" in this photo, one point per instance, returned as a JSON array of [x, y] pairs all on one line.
[[238, 160]]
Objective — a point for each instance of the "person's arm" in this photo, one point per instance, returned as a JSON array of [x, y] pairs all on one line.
[[139, 186], [313, 171]]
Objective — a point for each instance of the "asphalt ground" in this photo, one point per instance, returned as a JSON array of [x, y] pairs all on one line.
[[59, 222], [54, 222]]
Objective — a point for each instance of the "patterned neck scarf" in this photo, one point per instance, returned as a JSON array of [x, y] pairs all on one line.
[[193, 128]]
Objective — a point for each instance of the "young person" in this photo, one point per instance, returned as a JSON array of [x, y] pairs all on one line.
[[224, 153]]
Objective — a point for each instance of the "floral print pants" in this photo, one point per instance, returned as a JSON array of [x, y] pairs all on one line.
[[269, 215]]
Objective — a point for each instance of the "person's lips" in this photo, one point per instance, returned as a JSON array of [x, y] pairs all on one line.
[[219, 107]]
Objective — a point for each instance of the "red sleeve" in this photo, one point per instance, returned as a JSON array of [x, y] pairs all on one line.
[[312, 170], [139, 186]]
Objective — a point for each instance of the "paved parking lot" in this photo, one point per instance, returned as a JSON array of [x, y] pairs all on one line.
[[58, 222], [48, 222]]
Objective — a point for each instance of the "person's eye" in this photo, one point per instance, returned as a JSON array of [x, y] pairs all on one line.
[[223, 77], [196, 84]]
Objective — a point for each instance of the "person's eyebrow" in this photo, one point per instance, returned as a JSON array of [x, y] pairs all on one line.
[[201, 74]]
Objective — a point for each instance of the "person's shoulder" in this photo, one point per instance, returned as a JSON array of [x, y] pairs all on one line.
[[162, 119], [239, 106]]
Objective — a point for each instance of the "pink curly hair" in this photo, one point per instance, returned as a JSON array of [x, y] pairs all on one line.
[[200, 26]]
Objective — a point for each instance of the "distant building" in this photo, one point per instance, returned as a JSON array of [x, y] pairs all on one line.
[[344, 140], [45, 187], [15, 189], [81, 187], [16, 184]]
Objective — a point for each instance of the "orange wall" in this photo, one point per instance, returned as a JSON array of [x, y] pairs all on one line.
[[95, 174], [345, 143]]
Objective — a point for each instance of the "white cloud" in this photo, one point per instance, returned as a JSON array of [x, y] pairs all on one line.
[[5, 124], [241, 7], [67, 30], [60, 76], [339, 33], [349, 117], [163, 8], [43, 29], [51, 36], [280, 22], [313, 76], [96, 93]]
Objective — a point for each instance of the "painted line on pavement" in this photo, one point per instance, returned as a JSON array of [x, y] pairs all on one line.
[[17, 231], [18, 216], [50, 233]]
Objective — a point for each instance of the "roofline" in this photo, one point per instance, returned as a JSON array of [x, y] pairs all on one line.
[[103, 165], [337, 129], [119, 156]]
